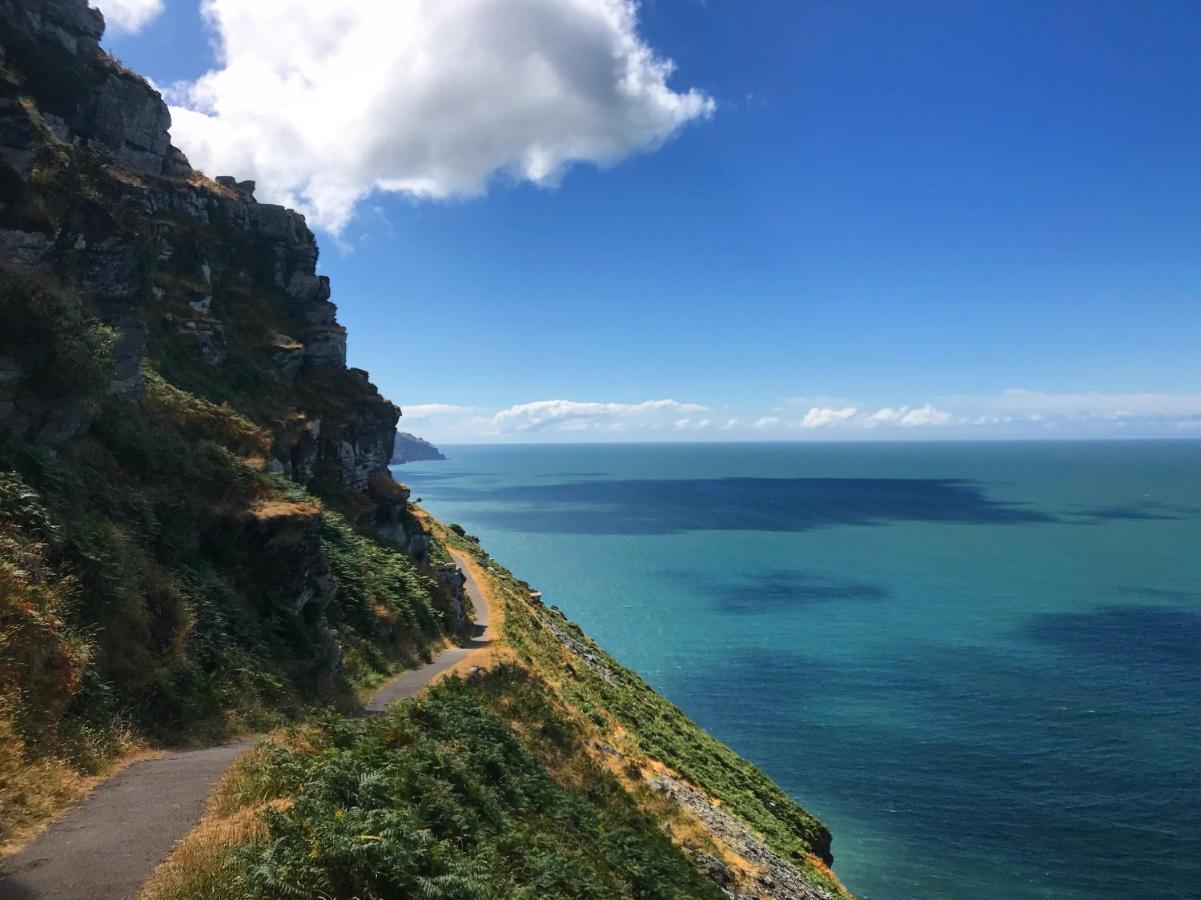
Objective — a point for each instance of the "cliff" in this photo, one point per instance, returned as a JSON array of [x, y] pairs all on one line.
[[199, 537], [96, 197], [198, 529], [410, 448]]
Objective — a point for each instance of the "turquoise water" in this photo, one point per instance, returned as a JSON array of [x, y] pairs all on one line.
[[979, 664]]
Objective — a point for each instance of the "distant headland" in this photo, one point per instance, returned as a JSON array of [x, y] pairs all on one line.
[[410, 448]]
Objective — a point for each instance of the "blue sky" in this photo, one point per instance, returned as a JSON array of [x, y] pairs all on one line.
[[831, 220]]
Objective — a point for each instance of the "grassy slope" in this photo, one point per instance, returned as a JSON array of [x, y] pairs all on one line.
[[480, 789], [645, 727], [526, 780], [135, 602], [130, 612]]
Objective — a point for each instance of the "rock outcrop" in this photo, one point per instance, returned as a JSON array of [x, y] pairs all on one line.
[[774, 879], [195, 273], [94, 100]]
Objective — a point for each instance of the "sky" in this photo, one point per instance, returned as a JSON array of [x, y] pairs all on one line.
[[586, 220]]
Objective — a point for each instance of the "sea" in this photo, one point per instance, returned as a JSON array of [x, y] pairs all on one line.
[[978, 663]]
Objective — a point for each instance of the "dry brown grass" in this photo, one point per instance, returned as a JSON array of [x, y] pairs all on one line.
[[192, 870], [497, 651], [35, 792], [200, 180], [32, 794], [264, 510]]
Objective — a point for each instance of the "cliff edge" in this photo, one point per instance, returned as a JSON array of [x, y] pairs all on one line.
[[200, 538]]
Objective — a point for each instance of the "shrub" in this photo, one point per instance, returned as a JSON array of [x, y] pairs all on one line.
[[442, 798], [65, 351]]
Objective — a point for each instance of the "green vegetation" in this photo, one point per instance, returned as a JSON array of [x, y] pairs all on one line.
[[617, 700], [528, 780], [441, 798], [56, 338], [140, 595], [156, 584], [384, 602]]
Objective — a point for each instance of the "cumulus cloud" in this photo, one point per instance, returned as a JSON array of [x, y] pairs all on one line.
[[572, 414], [128, 16], [819, 417], [907, 417], [853, 417], [323, 101]]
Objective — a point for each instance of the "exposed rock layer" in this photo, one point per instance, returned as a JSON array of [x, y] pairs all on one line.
[[167, 258]]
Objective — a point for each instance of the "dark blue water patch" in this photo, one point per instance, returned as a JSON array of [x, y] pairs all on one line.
[[778, 589], [1161, 642], [1147, 511], [673, 506], [1044, 774]]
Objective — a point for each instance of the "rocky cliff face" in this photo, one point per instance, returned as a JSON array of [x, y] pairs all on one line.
[[167, 349], [193, 273]]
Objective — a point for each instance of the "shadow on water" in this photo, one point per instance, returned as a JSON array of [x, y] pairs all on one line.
[[670, 506], [1068, 774], [779, 589], [1144, 511], [1152, 641]]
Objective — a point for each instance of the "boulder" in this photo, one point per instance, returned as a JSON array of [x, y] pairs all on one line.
[[18, 136], [132, 122], [68, 24], [287, 354], [209, 336], [26, 249], [325, 347]]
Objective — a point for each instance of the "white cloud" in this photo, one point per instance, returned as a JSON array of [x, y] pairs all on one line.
[[820, 417], [922, 416], [543, 413], [1090, 405], [128, 16], [323, 101], [854, 417], [1008, 414], [428, 410]]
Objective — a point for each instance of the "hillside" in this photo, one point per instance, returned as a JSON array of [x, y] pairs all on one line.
[[200, 538], [410, 448]]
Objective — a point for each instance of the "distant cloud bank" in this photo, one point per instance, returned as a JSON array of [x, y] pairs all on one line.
[[323, 102], [570, 415], [1010, 414]]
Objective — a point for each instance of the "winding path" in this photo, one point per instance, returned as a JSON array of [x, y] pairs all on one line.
[[406, 684], [108, 846]]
